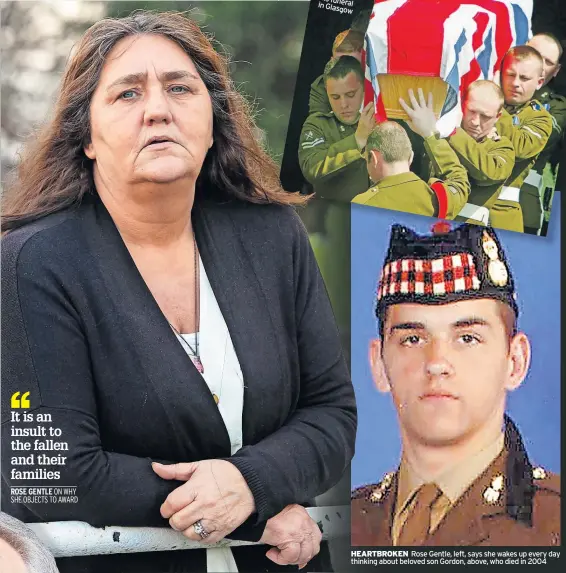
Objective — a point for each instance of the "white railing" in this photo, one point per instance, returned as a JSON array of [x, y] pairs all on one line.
[[73, 538]]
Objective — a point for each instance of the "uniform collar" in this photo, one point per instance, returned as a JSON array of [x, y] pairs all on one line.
[[331, 114], [398, 179], [453, 482], [544, 93], [515, 109]]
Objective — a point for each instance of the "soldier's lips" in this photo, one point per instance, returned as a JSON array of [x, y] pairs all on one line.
[[439, 395]]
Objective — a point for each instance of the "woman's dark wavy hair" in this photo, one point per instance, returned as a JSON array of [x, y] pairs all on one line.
[[54, 172]]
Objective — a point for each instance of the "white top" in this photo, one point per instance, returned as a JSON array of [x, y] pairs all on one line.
[[223, 375]]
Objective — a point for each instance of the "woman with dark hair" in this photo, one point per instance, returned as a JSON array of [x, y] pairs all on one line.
[[163, 307]]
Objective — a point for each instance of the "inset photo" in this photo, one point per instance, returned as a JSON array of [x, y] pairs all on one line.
[[462, 119], [456, 367]]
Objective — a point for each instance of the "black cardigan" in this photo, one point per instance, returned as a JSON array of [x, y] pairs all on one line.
[[82, 332]]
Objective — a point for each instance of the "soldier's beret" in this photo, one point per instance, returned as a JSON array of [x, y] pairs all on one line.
[[449, 265]]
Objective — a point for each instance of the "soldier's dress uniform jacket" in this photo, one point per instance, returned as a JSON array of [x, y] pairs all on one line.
[[533, 201], [443, 196], [510, 503], [489, 162], [330, 159], [528, 127]]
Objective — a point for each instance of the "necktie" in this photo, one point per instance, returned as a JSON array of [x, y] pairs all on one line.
[[416, 527]]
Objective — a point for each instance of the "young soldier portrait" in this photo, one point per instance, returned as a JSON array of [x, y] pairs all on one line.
[[331, 144], [389, 156], [449, 351]]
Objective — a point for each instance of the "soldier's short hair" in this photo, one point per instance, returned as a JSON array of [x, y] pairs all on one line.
[[36, 557], [339, 68], [554, 39], [487, 84], [348, 41], [521, 53], [391, 140]]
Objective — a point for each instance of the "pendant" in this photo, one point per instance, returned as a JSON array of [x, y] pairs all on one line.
[[198, 364]]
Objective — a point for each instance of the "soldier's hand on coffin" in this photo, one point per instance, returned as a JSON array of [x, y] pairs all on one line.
[[215, 494], [422, 119], [366, 123], [294, 535]]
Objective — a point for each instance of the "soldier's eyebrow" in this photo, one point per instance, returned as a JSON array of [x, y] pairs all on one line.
[[139, 78], [471, 321], [406, 326]]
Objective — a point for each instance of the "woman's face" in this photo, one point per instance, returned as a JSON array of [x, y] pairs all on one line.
[[149, 87]]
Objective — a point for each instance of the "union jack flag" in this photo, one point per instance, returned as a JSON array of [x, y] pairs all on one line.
[[459, 42]]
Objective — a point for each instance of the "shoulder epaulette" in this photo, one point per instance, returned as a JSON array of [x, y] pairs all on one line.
[[546, 480], [374, 492]]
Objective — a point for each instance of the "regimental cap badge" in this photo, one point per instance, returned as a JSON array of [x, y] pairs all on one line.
[[493, 492], [449, 265], [496, 269], [489, 246]]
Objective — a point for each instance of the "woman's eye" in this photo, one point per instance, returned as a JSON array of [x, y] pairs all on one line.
[[179, 89], [128, 94]]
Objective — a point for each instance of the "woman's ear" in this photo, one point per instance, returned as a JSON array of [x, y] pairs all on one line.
[[89, 150]]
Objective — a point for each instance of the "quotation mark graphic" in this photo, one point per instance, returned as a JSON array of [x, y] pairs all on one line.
[[17, 402]]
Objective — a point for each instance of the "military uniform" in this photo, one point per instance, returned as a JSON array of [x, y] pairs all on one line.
[[318, 97], [510, 503], [528, 127], [494, 497], [443, 196], [330, 159], [489, 163], [536, 197]]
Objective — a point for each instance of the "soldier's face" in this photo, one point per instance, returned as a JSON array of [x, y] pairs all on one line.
[[480, 113], [520, 79], [548, 49], [346, 95], [448, 368]]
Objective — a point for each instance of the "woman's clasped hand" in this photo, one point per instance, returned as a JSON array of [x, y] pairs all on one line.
[[216, 496]]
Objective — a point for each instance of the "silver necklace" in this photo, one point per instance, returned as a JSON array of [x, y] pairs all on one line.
[[194, 352]]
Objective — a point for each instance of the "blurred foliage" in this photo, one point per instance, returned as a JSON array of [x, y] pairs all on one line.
[[263, 40]]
